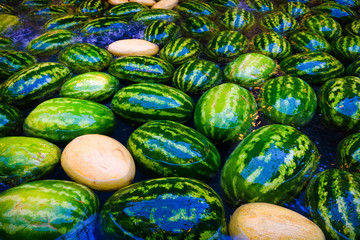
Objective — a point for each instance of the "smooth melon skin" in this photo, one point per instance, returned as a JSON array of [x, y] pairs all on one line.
[[99, 162], [271, 222]]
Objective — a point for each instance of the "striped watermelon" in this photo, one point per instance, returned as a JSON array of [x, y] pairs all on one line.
[[223, 4], [134, 69], [237, 19], [71, 2], [272, 45], [354, 69], [348, 153], [92, 7], [13, 61], [34, 83], [10, 120], [85, 57], [280, 22], [288, 100], [195, 9], [94, 86], [160, 32], [333, 198], [25, 159], [4, 8], [51, 42], [126, 10], [50, 11], [349, 3], [323, 25], [147, 16], [225, 113], [8, 22], [177, 208], [66, 22], [225, 46], [353, 28], [103, 25], [60, 120], [272, 164], [335, 10], [145, 102], [250, 69], [346, 48], [201, 27], [339, 103], [170, 149], [180, 51], [307, 41], [35, 3], [296, 9], [46, 209], [6, 42], [196, 76], [313, 67], [261, 5]]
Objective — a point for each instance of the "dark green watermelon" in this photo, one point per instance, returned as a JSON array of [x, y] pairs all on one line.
[[348, 153]]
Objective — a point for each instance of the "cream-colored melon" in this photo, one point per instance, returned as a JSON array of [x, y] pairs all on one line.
[[99, 162], [117, 2], [133, 47], [166, 4], [265, 221], [145, 2]]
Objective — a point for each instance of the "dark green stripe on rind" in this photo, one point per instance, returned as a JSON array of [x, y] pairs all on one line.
[[280, 22], [323, 25], [272, 44], [307, 41], [4, 8], [346, 48], [13, 61], [66, 22], [199, 27], [104, 25], [92, 7], [60, 120], [126, 10], [333, 198], [145, 102], [261, 5], [353, 28], [339, 103], [147, 16], [135, 69], [6, 43], [195, 8], [353, 69], [170, 149], [46, 209], [272, 164], [180, 208], [348, 153], [10, 120], [335, 10], [50, 11], [237, 19], [296, 9], [34, 83], [160, 32], [313, 67]]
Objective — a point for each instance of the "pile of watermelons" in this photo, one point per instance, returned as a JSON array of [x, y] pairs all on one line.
[[244, 102]]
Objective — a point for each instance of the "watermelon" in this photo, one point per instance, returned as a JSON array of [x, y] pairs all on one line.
[[272, 164], [354, 69], [195, 9], [176, 208], [200, 28], [335, 10], [60, 120], [94, 86], [25, 159], [135, 69], [50, 11], [279, 22], [46, 209], [8, 22], [4, 8], [272, 45], [170, 149], [349, 3], [13, 61], [66, 22], [313, 67], [51, 42], [103, 25], [160, 32], [10, 120], [92, 7], [307, 41], [147, 16], [237, 19], [296, 9], [261, 5], [346, 48], [288, 100], [223, 4], [196, 76], [85, 57], [353, 28], [348, 153], [250, 69], [33, 84], [225, 46], [126, 10], [323, 25], [339, 103], [225, 113], [6, 42], [333, 198], [180, 51], [35, 3], [145, 102]]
